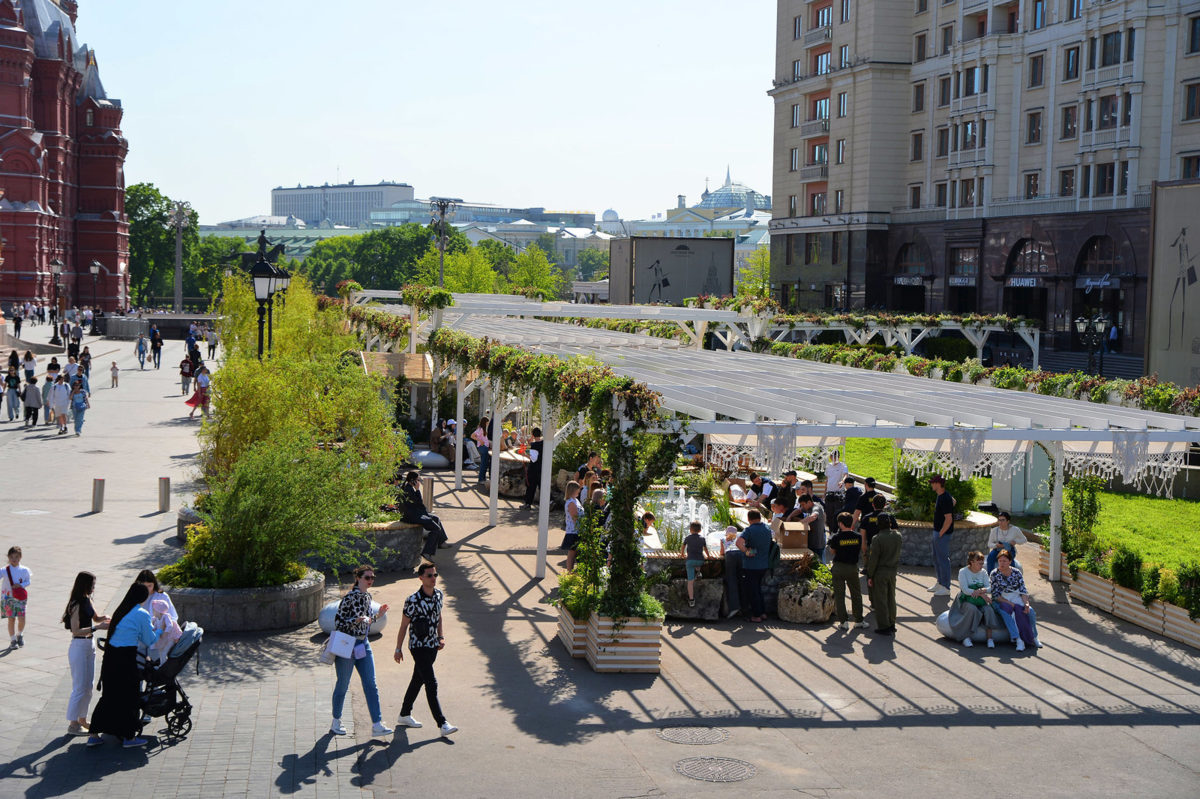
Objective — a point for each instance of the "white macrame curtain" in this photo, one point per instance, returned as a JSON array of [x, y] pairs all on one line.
[[966, 453], [771, 450], [1151, 466]]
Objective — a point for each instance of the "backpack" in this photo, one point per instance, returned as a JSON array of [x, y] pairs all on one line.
[[774, 555]]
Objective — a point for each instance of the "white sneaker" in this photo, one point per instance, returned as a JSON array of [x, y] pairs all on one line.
[[379, 728], [1020, 645], [862, 625], [991, 644], [409, 721], [942, 591], [843, 626], [336, 727], [448, 729], [934, 587], [967, 642], [1037, 642]]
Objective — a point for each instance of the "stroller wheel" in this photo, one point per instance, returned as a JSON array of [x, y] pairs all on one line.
[[179, 721]]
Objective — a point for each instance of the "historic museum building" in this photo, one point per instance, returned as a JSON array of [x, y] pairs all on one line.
[[62, 155]]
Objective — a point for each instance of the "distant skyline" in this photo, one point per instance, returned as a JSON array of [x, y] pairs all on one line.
[[572, 107]]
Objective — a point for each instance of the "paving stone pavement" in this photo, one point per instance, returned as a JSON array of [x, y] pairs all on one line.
[[1104, 709]]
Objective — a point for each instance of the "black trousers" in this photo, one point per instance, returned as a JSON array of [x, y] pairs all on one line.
[[119, 710], [751, 590], [437, 533], [533, 480], [423, 658]]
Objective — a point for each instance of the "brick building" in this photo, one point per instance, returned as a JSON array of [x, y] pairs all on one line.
[[62, 161]]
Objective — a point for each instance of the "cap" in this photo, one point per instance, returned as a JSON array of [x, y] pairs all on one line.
[[731, 529]]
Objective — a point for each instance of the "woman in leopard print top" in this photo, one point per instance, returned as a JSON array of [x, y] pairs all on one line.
[[354, 618]]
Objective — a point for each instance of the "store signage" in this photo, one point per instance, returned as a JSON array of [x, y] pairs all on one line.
[[962, 280], [908, 280], [1089, 283], [1023, 282]]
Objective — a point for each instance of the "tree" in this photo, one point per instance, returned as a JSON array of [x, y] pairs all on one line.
[[387, 259], [548, 243], [499, 254], [152, 247], [532, 270], [468, 271], [593, 263], [213, 255], [329, 262], [754, 279], [719, 234]]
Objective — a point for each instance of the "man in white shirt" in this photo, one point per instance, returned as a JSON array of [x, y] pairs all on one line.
[[835, 473]]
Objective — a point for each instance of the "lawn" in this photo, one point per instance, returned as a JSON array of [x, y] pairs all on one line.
[[1164, 531], [872, 457]]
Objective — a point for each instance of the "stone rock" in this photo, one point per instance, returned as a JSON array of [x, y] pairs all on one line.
[[805, 602], [673, 596], [427, 459]]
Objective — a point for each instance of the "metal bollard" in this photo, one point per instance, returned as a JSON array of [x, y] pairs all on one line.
[[98, 495], [427, 492], [164, 494]]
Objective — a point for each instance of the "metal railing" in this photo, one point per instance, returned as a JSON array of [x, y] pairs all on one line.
[[818, 36], [814, 127], [814, 172]]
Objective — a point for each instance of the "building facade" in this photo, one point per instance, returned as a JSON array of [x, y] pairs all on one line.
[[348, 204], [62, 159], [980, 155]]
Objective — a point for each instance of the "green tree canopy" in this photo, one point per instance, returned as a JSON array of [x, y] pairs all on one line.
[[152, 244], [532, 270], [499, 254], [593, 264], [468, 271], [754, 279]]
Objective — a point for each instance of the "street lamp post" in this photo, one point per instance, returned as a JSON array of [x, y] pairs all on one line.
[[95, 268], [262, 275], [56, 267], [442, 207], [1091, 333]]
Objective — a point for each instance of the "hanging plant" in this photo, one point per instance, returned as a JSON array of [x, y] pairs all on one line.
[[425, 297]]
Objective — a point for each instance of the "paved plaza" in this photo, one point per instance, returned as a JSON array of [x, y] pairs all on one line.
[[1104, 709]]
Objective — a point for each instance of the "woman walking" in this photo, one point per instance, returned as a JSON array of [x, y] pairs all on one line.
[[79, 404], [29, 364], [12, 392], [483, 444], [81, 619], [423, 621], [118, 712], [85, 362], [139, 349], [199, 400], [354, 618]]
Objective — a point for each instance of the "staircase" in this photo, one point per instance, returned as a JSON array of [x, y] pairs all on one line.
[[1129, 367]]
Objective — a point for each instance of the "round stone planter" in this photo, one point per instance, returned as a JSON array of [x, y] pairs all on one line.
[[183, 519], [228, 610]]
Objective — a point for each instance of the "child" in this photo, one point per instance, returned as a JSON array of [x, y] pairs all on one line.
[[33, 402], [14, 581], [694, 551], [168, 627], [185, 374], [650, 540], [116, 373]]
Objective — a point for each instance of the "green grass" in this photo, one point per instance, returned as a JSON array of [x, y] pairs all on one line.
[[1164, 531], [872, 457]]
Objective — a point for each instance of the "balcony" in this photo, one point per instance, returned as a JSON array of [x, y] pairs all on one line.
[[963, 158], [814, 127], [1105, 76], [975, 102], [1101, 139], [818, 36], [814, 172]]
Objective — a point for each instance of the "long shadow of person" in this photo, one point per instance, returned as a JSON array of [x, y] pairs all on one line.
[[298, 771], [76, 766], [379, 758]]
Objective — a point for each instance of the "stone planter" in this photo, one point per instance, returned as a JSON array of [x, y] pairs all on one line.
[[229, 610], [805, 602], [632, 645], [1093, 590], [403, 541], [673, 596], [1178, 627], [183, 519], [572, 632], [915, 548], [1128, 605]]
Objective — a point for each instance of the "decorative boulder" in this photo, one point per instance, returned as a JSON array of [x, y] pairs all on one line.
[[674, 598], [999, 635], [805, 602], [325, 619], [428, 459]]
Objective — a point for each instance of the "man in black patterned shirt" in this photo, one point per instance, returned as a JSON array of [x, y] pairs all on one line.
[[423, 615]]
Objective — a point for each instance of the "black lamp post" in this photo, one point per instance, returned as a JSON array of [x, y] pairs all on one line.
[[442, 206], [95, 268], [1091, 333], [279, 286], [56, 267], [262, 275]]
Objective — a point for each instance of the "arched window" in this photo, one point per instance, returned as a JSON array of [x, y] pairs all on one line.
[[912, 261], [1029, 256], [1098, 257]]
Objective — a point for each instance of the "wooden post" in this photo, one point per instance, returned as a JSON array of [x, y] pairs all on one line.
[[547, 458], [461, 431], [1056, 509], [494, 483]]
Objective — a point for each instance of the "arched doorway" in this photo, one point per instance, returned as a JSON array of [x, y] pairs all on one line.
[[908, 280], [1025, 281], [1098, 288]]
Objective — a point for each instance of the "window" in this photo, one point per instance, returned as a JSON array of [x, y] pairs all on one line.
[[966, 193], [964, 261], [1108, 112], [943, 92], [1091, 53], [820, 108], [914, 196], [797, 27], [1028, 256], [844, 56], [843, 104], [791, 205], [1190, 167], [795, 162], [1070, 122], [819, 154], [1085, 181], [90, 118], [1123, 178], [1106, 175], [1031, 185], [922, 6], [1033, 128], [1071, 63], [947, 39], [1126, 109], [1110, 49], [918, 97], [918, 146], [1099, 256], [1074, 9], [797, 69], [823, 17], [1129, 37], [821, 63], [943, 142], [1191, 101], [1035, 70], [1039, 14], [919, 47], [1087, 114], [939, 195], [816, 203], [970, 135], [797, 118], [839, 197], [839, 152], [812, 248], [912, 261], [971, 81], [845, 15], [1066, 182], [1193, 35], [835, 248]]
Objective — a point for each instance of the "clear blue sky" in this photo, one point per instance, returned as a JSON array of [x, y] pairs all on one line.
[[569, 105]]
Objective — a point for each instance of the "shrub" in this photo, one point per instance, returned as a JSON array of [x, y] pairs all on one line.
[[1081, 510], [1168, 586], [1189, 588], [821, 574], [915, 497], [949, 348], [1126, 567]]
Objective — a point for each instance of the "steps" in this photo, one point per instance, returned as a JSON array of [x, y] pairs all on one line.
[[1129, 367]]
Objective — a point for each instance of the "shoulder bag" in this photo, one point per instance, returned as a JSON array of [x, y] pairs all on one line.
[[339, 645], [18, 591]]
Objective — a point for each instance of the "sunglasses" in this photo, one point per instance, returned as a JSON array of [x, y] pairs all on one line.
[[368, 577]]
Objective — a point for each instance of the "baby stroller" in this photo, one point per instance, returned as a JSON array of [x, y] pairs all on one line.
[[162, 696]]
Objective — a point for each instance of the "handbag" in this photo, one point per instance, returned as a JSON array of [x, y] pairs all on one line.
[[18, 591], [340, 644]]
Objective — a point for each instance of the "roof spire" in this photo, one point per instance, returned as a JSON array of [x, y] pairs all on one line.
[[728, 179]]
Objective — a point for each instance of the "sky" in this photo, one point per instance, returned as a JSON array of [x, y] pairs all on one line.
[[566, 105]]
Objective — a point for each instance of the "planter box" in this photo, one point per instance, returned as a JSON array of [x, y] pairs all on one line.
[[635, 645], [1044, 565], [1128, 605], [1094, 591], [229, 610], [572, 632], [1178, 627]]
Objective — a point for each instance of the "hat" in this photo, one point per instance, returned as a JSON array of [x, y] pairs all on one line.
[[731, 529], [451, 421]]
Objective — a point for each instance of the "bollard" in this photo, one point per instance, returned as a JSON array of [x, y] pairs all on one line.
[[98, 495], [427, 492], [164, 494]]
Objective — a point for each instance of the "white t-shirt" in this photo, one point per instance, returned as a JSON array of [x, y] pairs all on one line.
[[171, 611], [969, 581], [835, 475], [20, 575], [1012, 535]]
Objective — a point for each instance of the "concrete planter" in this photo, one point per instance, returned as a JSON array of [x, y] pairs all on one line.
[[572, 632], [228, 610], [1178, 627], [673, 596], [1128, 605], [1093, 590], [183, 519], [403, 540], [627, 645]]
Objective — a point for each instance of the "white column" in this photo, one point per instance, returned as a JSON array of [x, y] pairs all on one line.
[[414, 320], [547, 458], [461, 427], [494, 484], [1056, 508]]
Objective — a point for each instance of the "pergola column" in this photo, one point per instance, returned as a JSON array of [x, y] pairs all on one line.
[[1056, 509], [494, 483], [460, 425], [547, 458]]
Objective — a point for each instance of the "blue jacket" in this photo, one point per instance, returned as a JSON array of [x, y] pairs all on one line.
[[135, 628], [758, 538]]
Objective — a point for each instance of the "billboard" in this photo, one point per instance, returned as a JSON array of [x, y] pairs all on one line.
[[669, 270], [1173, 338]]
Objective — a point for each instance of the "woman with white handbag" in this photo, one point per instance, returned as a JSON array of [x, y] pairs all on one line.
[[352, 651]]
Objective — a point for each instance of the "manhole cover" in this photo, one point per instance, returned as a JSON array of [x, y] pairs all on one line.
[[694, 736], [715, 769]]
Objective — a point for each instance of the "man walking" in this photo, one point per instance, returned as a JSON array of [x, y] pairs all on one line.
[[846, 545], [423, 614], [883, 560], [943, 527]]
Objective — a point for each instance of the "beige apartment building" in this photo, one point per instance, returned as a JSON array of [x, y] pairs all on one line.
[[980, 155]]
